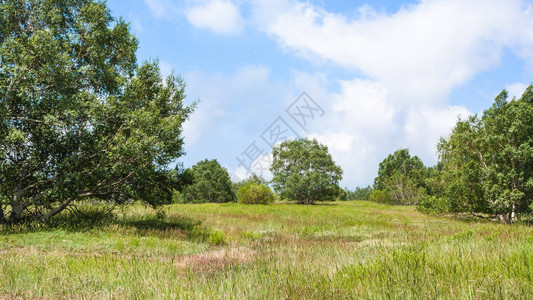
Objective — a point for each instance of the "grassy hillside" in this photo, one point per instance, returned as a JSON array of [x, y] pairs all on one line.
[[231, 251]]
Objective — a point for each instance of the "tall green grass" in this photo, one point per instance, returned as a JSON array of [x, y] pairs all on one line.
[[345, 250]]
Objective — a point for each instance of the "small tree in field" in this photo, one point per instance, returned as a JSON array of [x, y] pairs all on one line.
[[79, 118], [401, 179], [304, 171], [211, 183]]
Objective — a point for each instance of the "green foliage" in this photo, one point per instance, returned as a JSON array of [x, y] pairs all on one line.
[[304, 171], [433, 205], [200, 233], [211, 183], [254, 178], [379, 196], [400, 163], [182, 178], [80, 119], [253, 193], [435, 184], [360, 193], [216, 238], [342, 195], [488, 161], [401, 178]]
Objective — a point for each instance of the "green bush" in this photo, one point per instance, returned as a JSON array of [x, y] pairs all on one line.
[[253, 193], [433, 205], [380, 196]]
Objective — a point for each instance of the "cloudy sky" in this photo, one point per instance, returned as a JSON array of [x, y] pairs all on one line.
[[378, 75]]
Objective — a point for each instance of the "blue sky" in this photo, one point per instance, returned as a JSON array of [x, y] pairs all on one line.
[[381, 75]]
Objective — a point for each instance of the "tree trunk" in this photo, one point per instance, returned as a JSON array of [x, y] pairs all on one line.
[[504, 218], [56, 210], [15, 216], [2, 217]]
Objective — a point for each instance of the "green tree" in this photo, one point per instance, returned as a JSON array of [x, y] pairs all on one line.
[[304, 171], [401, 178], [211, 183], [488, 161], [253, 193], [78, 118], [360, 193], [462, 172], [342, 194], [254, 178]]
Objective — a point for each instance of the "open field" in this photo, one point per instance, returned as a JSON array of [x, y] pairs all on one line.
[[341, 250]]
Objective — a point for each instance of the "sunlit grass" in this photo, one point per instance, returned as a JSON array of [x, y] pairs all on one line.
[[343, 250]]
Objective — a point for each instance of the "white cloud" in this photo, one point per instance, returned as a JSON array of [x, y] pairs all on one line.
[[364, 125], [336, 141], [423, 128], [162, 8], [410, 62], [366, 105], [516, 89], [359, 126], [219, 16], [420, 52]]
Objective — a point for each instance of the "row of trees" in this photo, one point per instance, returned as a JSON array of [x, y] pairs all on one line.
[[485, 166], [303, 171]]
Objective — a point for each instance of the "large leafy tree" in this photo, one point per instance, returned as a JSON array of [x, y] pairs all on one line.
[[304, 171], [78, 117], [210, 183], [489, 160]]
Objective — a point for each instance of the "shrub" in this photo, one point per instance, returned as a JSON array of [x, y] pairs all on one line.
[[433, 205], [253, 193], [379, 196]]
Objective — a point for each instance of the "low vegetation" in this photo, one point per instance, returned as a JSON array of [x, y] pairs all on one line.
[[342, 250], [253, 193]]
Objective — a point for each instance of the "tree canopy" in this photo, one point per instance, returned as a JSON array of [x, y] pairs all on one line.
[[304, 171], [401, 179], [211, 183], [488, 160], [79, 118]]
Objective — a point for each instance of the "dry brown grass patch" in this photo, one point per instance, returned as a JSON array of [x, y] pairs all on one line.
[[218, 259]]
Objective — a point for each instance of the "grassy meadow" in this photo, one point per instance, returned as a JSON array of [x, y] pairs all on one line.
[[340, 250]]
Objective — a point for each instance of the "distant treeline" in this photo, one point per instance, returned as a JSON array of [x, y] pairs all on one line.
[[360, 193]]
